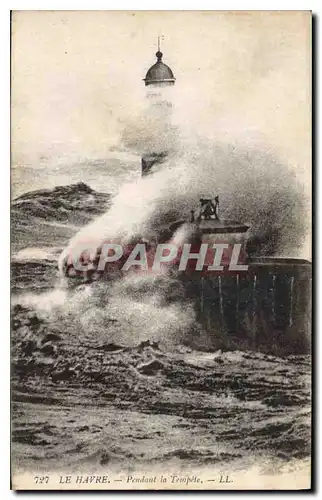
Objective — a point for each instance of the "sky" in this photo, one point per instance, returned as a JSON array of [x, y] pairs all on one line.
[[77, 82]]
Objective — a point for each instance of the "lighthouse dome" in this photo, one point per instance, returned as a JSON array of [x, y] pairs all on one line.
[[159, 74]]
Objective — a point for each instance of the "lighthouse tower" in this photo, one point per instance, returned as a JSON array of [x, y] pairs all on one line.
[[157, 79]]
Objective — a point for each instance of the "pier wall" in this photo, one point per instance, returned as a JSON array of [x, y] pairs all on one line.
[[267, 308]]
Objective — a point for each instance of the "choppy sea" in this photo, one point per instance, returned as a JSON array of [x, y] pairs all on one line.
[[94, 385]]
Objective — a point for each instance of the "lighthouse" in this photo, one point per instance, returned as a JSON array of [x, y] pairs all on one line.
[[261, 303], [158, 81]]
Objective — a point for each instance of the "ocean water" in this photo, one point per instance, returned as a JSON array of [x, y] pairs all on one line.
[[103, 375]]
